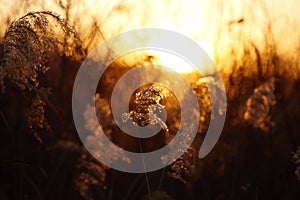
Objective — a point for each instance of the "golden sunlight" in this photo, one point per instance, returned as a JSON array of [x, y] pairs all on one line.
[[171, 62], [202, 21], [115, 106]]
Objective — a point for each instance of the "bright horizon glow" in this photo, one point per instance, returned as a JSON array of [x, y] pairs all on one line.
[[199, 20], [171, 62]]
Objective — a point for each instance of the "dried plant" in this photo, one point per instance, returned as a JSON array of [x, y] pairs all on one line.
[[36, 118], [29, 41], [98, 130], [90, 176], [149, 102], [148, 107], [182, 169], [25, 50], [258, 106]]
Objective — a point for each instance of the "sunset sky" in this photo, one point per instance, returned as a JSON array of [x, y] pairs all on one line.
[[199, 20]]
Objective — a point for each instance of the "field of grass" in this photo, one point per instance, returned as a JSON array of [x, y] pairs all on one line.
[[42, 157]]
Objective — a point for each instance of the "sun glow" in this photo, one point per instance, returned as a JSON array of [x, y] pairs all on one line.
[[214, 25], [171, 62]]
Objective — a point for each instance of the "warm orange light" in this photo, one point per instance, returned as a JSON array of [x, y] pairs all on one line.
[[171, 61]]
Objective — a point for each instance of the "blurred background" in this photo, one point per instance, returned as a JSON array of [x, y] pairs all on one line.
[[255, 46]]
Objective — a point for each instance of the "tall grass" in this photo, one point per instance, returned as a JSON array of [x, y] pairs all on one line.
[[40, 55]]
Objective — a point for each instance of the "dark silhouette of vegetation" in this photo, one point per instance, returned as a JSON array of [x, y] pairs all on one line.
[[41, 157]]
